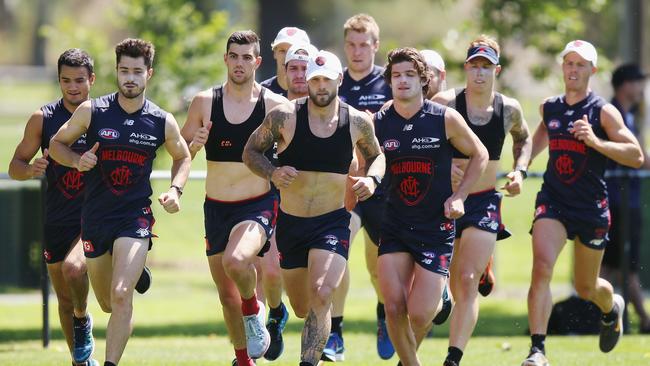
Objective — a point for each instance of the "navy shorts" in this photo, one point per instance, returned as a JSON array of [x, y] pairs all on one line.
[[220, 217], [371, 212], [98, 237], [483, 211], [590, 224], [59, 239], [431, 250], [297, 235], [612, 257]]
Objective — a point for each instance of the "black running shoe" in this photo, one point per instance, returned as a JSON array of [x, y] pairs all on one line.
[[144, 282], [486, 282], [443, 314], [275, 326], [610, 333]]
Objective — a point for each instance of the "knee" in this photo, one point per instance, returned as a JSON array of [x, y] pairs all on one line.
[[421, 318], [465, 285], [233, 265], [74, 271], [542, 270], [121, 298], [395, 308], [322, 295]]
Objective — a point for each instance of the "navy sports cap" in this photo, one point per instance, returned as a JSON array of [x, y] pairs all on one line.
[[484, 51]]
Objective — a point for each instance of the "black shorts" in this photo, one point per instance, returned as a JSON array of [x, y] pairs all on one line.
[[590, 224], [296, 236], [371, 212], [612, 257], [431, 249], [483, 211], [220, 217], [59, 239], [98, 236]]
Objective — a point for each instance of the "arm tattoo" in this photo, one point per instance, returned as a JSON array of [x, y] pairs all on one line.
[[521, 139], [261, 140], [367, 142], [314, 337]]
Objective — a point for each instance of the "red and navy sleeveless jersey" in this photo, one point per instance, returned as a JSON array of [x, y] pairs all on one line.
[[226, 140], [492, 134], [574, 172], [309, 152], [615, 185], [369, 93], [65, 186], [119, 183], [418, 164], [273, 85]]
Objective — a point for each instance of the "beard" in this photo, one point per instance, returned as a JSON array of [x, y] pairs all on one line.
[[131, 93], [322, 100]]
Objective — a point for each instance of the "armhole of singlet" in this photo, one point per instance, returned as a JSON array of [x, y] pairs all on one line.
[[460, 103], [499, 107], [262, 94], [344, 114]]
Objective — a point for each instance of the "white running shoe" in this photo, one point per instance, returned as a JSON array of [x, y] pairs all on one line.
[[257, 337]]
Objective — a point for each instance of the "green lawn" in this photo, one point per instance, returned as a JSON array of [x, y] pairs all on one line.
[[179, 322]]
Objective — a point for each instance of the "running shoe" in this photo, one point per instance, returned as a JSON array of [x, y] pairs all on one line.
[[334, 349], [83, 341], [611, 332], [257, 337], [275, 327], [385, 347]]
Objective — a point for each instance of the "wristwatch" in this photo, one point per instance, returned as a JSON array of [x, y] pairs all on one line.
[[376, 179], [524, 173], [178, 189]]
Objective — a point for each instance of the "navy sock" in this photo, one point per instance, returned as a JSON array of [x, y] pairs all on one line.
[[337, 325], [537, 341], [454, 354], [381, 314], [277, 313]]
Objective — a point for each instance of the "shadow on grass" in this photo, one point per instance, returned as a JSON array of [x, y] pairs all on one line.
[[491, 323]]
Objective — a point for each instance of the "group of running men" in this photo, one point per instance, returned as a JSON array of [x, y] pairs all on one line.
[[315, 153]]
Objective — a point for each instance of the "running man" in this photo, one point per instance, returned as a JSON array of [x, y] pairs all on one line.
[[240, 208], [124, 130], [491, 116], [285, 38], [582, 131], [417, 237], [316, 137], [63, 253], [365, 89]]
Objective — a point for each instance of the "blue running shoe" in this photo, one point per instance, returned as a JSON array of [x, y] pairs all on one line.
[[84, 344], [334, 349], [275, 326], [385, 347], [443, 314]]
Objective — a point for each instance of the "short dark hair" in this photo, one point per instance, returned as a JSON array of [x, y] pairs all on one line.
[[244, 37], [76, 57], [134, 47], [408, 54]]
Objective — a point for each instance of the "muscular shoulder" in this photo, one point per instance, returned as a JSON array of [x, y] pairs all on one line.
[[272, 100], [512, 112], [203, 96], [609, 114], [446, 98]]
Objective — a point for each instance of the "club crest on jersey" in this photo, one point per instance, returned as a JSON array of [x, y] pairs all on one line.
[[413, 175], [109, 134], [554, 124], [391, 145], [570, 158], [122, 167]]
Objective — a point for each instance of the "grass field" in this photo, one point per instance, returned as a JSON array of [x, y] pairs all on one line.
[[179, 322]]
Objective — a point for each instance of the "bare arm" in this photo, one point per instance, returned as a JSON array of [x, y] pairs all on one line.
[[20, 167], [177, 149], [622, 146], [262, 139], [363, 133], [540, 137], [68, 134], [522, 142], [197, 126], [465, 141]]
